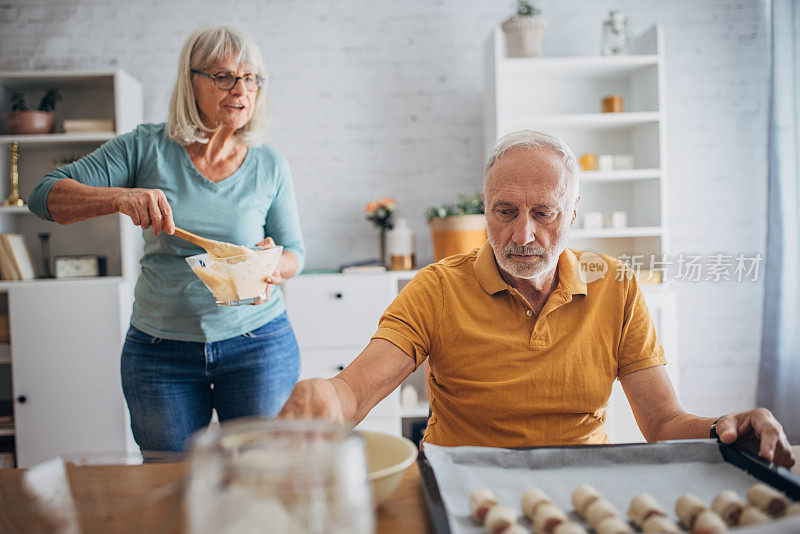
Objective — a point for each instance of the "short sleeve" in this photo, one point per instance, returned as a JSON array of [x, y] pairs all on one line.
[[639, 347], [413, 320]]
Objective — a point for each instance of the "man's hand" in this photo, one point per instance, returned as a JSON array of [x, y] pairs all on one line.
[[315, 398], [146, 208], [758, 431]]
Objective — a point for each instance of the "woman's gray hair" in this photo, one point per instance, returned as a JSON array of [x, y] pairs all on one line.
[[531, 139], [206, 46]]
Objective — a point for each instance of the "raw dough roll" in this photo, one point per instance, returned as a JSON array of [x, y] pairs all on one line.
[[643, 506], [500, 518], [583, 496], [660, 523], [598, 510], [768, 499], [569, 527], [688, 507], [793, 509], [753, 516], [548, 517], [531, 500], [707, 522], [480, 501], [729, 506], [613, 525]]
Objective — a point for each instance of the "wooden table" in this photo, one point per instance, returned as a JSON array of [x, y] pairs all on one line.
[[405, 511]]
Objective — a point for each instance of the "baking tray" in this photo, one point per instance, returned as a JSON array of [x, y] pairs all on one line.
[[666, 470]]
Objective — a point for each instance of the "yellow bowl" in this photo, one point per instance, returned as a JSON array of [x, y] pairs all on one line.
[[388, 456]]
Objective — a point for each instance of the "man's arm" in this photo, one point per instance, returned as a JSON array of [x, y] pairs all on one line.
[[350, 395], [660, 417]]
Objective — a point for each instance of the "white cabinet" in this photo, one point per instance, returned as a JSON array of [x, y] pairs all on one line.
[[334, 316], [67, 335]]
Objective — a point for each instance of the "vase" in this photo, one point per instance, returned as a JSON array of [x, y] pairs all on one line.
[[457, 234], [524, 35], [382, 243]]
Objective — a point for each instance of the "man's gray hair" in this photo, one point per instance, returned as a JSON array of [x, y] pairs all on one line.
[[531, 139]]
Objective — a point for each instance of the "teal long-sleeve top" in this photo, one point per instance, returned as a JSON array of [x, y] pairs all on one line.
[[254, 202]]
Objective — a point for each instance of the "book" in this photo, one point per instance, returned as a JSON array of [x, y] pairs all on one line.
[[21, 258], [7, 268], [88, 126]]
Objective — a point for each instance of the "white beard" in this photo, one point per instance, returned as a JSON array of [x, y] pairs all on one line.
[[548, 260]]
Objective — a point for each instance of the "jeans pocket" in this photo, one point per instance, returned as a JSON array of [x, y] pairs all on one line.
[[275, 328], [137, 336]]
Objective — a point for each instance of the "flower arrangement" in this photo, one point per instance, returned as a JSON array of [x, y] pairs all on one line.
[[381, 213], [467, 205]]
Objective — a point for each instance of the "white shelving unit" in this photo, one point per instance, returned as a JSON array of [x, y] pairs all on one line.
[[66, 335], [562, 96]]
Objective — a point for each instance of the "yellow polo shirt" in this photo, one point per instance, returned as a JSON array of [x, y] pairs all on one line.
[[502, 376]]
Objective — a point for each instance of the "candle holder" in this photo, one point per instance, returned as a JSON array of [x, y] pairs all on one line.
[[14, 199], [44, 239]]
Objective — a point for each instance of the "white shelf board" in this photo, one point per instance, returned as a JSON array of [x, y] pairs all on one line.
[[28, 79], [99, 280], [597, 67], [416, 410], [605, 233], [14, 209], [56, 138], [619, 176], [588, 121]]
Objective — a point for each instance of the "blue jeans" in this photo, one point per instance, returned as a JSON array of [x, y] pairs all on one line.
[[171, 386]]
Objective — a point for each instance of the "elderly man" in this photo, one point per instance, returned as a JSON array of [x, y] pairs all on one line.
[[524, 348]]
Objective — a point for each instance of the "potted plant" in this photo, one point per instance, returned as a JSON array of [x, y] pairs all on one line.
[[524, 31], [457, 228], [21, 120]]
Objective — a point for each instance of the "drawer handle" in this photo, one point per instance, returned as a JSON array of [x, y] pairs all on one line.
[[340, 367], [338, 296], [22, 399]]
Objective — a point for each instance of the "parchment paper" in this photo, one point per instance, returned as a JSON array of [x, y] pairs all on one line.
[[665, 470]]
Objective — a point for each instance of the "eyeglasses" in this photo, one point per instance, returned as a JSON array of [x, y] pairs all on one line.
[[227, 80]]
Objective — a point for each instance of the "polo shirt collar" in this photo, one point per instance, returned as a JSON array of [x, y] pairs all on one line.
[[488, 274], [569, 273]]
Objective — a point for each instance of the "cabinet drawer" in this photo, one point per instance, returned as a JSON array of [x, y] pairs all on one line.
[[324, 363], [336, 310], [328, 363]]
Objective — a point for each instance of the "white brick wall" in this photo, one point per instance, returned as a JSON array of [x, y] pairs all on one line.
[[384, 98]]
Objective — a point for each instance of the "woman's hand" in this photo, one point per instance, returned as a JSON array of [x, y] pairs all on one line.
[[146, 208], [275, 279]]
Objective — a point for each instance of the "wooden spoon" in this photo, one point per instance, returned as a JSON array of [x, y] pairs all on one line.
[[218, 249]]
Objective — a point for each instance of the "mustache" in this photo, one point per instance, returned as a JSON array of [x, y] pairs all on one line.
[[531, 249]]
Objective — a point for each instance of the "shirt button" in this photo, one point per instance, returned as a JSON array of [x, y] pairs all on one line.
[[529, 313]]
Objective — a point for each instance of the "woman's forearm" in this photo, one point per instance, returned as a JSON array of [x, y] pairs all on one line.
[[70, 201], [288, 265]]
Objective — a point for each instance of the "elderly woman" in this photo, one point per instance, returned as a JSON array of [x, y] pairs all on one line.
[[208, 171]]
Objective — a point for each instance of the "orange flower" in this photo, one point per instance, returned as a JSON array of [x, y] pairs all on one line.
[[372, 206]]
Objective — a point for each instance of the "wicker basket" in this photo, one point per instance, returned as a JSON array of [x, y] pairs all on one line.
[[524, 35]]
